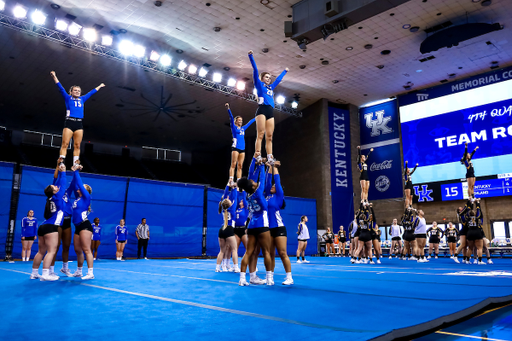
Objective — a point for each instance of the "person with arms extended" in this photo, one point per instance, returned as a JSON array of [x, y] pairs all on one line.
[[238, 145]]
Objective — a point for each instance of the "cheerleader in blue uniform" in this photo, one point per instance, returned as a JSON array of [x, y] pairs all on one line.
[[73, 127], [48, 232], [275, 198], [258, 228], [238, 145], [470, 171], [227, 240], [28, 235], [96, 237], [121, 239], [265, 113], [83, 227], [241, 215]]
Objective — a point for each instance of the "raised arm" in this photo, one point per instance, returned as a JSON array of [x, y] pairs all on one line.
[[231, 121], [278, 79], [367, 156], [249, 123], [261, 179], [61, 88], [255, 73], [472, 153], [251, 170], [226, 193], [79, 184], [61, 183], [416, 166], [279, 189]]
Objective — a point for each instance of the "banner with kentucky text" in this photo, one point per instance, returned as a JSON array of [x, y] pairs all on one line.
[[385, 172], [379, 122], [341, 174]]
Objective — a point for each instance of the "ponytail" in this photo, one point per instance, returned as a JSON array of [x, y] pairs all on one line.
[[225, 216]]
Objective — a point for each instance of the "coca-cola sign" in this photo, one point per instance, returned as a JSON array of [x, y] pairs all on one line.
[[386, 164]]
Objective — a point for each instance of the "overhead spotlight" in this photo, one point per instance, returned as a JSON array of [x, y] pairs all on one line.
[[231, 82], [406, 26], [280, 99], [139, 51], [203, 72], [303, 43], [38, 17], [74, 29], [106, 40], [182, 65], [240, 85], [349, 48], [61, 25], [2, 5], [154, 56], [126, 47], [217, 77], [165, 60], [19, 11], [90, 34], [295, 105], [192, 69]]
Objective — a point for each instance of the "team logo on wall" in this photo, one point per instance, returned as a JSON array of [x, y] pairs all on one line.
[[380, 125], [424, 194], [382, 183]]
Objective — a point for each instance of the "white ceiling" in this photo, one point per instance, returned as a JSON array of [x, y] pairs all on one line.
[[188, 25]]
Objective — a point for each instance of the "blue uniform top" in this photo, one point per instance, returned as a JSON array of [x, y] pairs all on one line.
[[56, 202], [265, 92], [275, 201], [96, 232], [238, 132], [231, 194], [121, 233], [257, 203], [82, 203], [28, 227], [75, 106], [68, 205], [241, 213]]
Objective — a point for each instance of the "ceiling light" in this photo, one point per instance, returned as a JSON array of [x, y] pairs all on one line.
[[154, 56], [203, 72], [240, 85], [90, 34], [19, 11], [182, 65], [126, 47], [38, 17], [106, 40], [61, 25], [419, 71], [280, 99], [165, 60], [406, 26], [217, 77], [231, 82], [192, 69], [349, 48], [2, 5], [295, 105], [139, 51], [74, 29]]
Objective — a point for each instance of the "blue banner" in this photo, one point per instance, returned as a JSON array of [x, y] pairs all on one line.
[[478, 81], [6, 173], [385, 172], [341, 173], [379, 122], [483, 189]]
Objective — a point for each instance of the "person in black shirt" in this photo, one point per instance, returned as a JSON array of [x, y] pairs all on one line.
[[435, 234], [451, 234], [342, 241], [470, 171], [408, 189], [328, 237]]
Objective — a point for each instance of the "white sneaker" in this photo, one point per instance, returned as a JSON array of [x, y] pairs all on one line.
[[94, 258], [390, 257], [77, 274], [413, 258], [66, 272], [146, 258], [305, 261], [481, 263], [455, 260], [270, 281], [49, 278], [426, 260], [489, 262], [53, 274], [428, 257], [88, 276], [378, 261], [236, 269], [257, 280], [357, 262], [243, 283], [35, 276], [218, 270], [372, 262], [288, 281], [231, 269], [224, 269], [436, 257], [365, 261], [352, 260]]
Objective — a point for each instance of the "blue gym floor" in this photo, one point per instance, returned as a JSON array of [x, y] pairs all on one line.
[[185, 299]]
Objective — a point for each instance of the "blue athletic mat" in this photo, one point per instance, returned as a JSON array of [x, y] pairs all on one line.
[[140, 299]]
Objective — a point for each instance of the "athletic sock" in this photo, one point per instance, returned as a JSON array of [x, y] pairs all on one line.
[[63, 157], [298, 258], [288, 275], [65, 265], [52, 268], [269, 274], [303, 258], [242, 276], [75, 159], [479, 259], [46, 272], [35, 271], [252, 275], [90, 271], [422, 257], [79, 269]]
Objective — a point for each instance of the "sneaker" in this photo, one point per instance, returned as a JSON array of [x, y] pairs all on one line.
[[53, 274], [436, 257], [481, 263], [365, 261], [77, 274], [413, 258], [425, 261], [146, 258], [455, 259], [390, 257], [372, 262], [489, 262], [352, 261], [94, 258], [50, 278], [224, 269], [288, 281], [88, 276], [236, 269], [243, 283], [357, 262], [305, 261], [428, 257], [66, 272], [231, 269], [270, 281], [378, 261], [35, 276], [299, 261], [257, 280], [218, 270]]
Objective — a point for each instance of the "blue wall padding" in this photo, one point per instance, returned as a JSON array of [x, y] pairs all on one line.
[[6, 173]]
